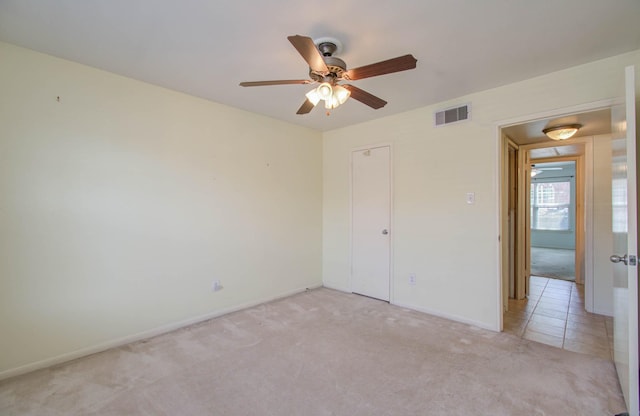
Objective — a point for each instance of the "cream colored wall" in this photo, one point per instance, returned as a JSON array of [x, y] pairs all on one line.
[[452, 247], [122, 202]]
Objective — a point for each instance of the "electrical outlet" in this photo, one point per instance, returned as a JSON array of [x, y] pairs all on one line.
[[216, 286], [412, 279]]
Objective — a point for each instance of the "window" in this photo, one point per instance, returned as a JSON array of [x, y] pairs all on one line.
[[550, 206]]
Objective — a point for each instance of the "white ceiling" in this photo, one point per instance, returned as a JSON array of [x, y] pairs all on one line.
[[206, 47]]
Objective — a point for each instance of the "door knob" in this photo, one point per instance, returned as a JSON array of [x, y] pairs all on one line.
[[385, 231], [618, 259]]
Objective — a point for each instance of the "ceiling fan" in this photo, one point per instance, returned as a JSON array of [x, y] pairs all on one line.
[[536, 170], [328, 70]]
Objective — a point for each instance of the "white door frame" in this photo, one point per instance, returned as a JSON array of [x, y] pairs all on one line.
[[581, 108], [391, 216]]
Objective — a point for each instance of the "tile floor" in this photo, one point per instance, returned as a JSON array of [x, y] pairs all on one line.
[[554, 314]]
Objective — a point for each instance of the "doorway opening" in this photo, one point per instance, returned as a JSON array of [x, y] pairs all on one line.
[[550, 202], [553, 212]]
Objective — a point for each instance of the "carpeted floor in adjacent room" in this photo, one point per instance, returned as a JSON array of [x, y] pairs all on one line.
[[323, 352], [555, 263]]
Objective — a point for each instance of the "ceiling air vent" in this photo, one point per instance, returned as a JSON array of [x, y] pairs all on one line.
[[452, 115]]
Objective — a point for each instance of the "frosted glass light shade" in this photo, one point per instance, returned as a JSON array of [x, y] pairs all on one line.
[[325, 91], [313, 96], [340, 95], [561, 132]]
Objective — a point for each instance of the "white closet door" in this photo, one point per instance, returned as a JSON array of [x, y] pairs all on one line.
[[371, 217]]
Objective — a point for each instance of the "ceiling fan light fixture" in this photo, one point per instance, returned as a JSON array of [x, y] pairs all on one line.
[[313, 96], [341, 94], [332, 103], [325, 91], [563, 132], [333, 96]]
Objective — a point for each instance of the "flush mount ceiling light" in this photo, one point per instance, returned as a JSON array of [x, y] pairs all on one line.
[[563, 132]]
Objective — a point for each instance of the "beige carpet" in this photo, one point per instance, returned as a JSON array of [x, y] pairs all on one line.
[[555, 263], [323, 353]]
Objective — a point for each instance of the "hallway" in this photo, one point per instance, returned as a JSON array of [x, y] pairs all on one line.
[[554, 314]]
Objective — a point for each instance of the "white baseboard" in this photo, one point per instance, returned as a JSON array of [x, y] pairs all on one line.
[[450, 317], [602, 312], [48, 362], [338, 288]]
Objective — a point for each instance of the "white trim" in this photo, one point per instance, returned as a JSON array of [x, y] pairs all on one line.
[[118, 342], [559, 112], [588, 234], [338, 288], [500, 169], [372, 146], [601, 312], [391, 227], [451, 317]]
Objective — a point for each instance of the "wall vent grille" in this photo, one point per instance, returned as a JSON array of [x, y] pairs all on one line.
[[452, 115]]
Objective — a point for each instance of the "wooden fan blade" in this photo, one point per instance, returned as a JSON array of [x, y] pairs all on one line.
[[277, 82], [309, 52], [365, 98], [305, 107], [401, 63]]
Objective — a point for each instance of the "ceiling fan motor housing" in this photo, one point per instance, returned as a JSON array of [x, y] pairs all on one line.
[[336, 66]]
